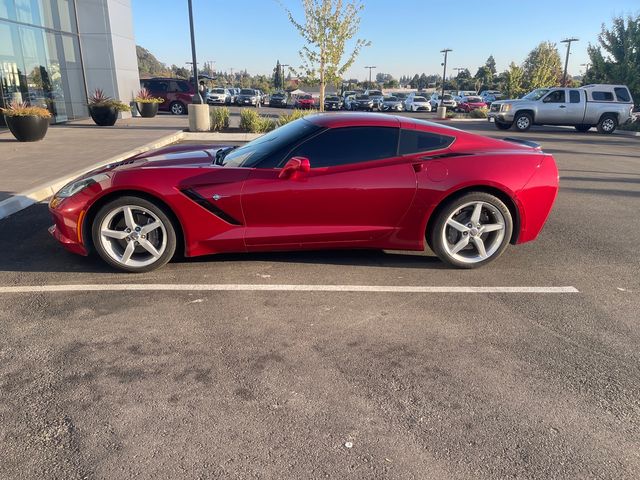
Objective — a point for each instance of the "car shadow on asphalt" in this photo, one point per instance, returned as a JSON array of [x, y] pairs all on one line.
[[27, 246]]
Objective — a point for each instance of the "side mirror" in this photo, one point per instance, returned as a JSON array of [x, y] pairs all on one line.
[[294, 166]]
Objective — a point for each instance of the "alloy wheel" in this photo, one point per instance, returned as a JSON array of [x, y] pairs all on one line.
[[473, 232], [133, 236]]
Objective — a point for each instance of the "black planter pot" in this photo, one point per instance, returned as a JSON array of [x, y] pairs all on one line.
[[29, 128], [103, 116], [147, 110]]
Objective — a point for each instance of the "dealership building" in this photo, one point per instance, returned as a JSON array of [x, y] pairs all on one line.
[[53, 52]]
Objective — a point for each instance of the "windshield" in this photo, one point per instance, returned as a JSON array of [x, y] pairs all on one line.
[[306, 97], [362, 97], [447, 97], [375, 92], [247, 91], [474, 99], [218, 90], [332, 99], [536, 94], [391, 99], [274, 144], [419, 99], [348, 93]]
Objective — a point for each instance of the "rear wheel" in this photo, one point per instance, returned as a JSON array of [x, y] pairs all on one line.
[[471, 230], [582, 128], [607, 124], [133, 234], [523, 122], [503, 126]]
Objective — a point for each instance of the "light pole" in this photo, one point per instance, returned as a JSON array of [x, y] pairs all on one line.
[[370, 68], [196, 98], [282, 77], [444, 74], [586, 68], [568, 41]]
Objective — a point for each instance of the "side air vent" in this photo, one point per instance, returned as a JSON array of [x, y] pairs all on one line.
[[204, 203]]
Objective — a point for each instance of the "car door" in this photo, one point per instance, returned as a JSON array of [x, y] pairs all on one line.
[[356, 190], [554, 111], [575, 106]]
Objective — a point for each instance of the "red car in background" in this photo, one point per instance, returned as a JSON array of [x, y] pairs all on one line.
[[176, 93], [304, 102], [468, 104], [336, 180]]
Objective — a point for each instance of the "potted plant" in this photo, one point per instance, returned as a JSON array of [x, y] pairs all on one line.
[[104, 109], [28, 124], [147, 104]]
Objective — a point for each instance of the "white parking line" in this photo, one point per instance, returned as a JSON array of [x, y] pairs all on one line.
[[280, 288]]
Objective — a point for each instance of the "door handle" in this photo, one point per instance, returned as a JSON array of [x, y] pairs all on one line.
[[418, 167], [562, 106]]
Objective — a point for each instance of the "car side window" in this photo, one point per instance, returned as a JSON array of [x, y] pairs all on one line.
[[155, 86], [344, 146], [574, 96], [602, 96], [415, 141], [557, 96], [622, 94]]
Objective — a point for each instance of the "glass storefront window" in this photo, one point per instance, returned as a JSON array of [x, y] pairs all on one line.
[[54, 14]]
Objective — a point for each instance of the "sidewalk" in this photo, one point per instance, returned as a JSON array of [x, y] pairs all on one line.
[[72, 147]]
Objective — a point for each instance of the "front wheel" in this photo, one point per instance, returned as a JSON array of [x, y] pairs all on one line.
[[471, 230], [607, 124], [523, 122], [178, 108], [133, 234], [582, 128]]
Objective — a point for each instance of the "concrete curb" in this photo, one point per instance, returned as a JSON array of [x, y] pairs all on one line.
[[22, 200], [218, 136], [627, 133]]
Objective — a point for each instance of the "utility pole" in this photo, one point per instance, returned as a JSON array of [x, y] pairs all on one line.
[[196, 98], [370, 68], [568, 41]]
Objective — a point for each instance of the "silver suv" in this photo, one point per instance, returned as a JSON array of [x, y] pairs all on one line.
[[602, 106]]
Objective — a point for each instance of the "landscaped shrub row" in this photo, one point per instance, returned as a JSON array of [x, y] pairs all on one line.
[[219, 118], [252, 122]]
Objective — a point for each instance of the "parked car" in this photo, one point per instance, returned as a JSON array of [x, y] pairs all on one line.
[[400, 95], [468, 104], [279, 99], [248, 96], [348, 103], [447, 100], [361, 102], [376, 97], [253, 198], [305, 102], [233, 95], [332, 102], [416, 103], [391, 104], [218, 96], [602, 106], [176, 93], [264, 98]]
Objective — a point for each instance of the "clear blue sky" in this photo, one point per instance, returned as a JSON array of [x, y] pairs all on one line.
[[406, 35]]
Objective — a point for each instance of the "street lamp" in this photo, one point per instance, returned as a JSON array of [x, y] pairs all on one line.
[[586, 67], [568, 41], [197, 99], [370, 68], [444, 72], [282, 77]]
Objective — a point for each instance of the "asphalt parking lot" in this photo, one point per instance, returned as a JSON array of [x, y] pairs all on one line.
[[314, 384]]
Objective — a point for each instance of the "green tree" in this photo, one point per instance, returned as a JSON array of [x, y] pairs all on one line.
[[414, 81], [484, 78], [617, 57], [514, 81], [148, 64], [329, 25], [491, 64], [543, 67]]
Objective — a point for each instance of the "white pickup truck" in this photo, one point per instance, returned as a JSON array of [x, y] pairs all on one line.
[[602, 106]]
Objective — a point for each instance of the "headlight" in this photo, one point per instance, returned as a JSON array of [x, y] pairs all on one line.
[[70, 189], [505, 107]]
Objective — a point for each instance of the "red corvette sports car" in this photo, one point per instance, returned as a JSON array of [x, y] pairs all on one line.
[[343, 180]]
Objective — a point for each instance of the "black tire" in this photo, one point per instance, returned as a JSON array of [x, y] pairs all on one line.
[[503, 126], [177, 108], [607, 124], [439, 232], [582, 128], [523, 121], [169, 234]]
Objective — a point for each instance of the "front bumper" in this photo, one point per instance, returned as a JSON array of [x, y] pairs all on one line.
[[67, 228], [391, 108], [504, 117], [246, 101], [216, 101], [332, 106]]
